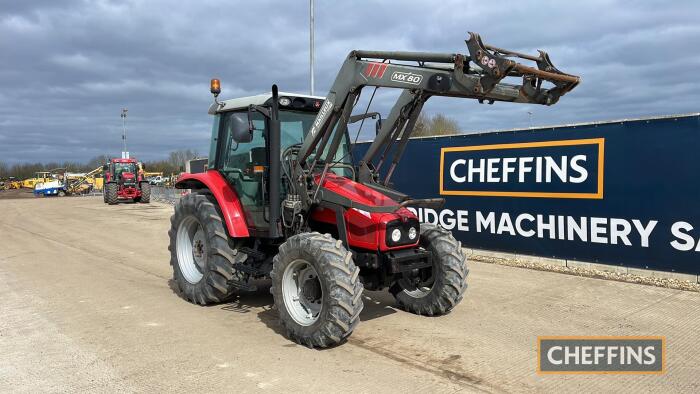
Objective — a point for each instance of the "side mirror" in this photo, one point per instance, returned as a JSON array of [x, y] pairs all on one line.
[[240, 129], [378, 126]]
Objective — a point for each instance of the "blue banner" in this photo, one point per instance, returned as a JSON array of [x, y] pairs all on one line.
[[625, 192]]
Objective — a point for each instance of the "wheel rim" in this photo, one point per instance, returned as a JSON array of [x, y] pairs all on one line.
[[191, 249], [302, 292]]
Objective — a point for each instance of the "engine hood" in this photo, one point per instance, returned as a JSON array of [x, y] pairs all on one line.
[[365, 230], [128, 177], [355, 191]]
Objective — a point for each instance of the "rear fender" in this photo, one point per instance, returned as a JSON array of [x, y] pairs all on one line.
[[225, 196]]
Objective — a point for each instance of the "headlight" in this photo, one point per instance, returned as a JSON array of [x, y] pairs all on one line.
[[396, 235], [284, 101], [412, 233]]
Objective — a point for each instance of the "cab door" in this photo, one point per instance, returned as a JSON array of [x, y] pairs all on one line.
[[244, 165]]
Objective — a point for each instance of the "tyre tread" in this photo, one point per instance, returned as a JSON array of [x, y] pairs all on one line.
[[341, 310], [217, 284], [451, 284]]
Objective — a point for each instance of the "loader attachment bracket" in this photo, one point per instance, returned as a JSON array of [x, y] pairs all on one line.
[[496, 64]]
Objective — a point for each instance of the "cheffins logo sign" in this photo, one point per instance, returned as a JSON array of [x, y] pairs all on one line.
[[547, 169]]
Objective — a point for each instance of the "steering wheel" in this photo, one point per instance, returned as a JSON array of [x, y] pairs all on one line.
[[242, 174]]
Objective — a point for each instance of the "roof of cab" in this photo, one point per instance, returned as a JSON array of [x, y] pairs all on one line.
[[260, 99]]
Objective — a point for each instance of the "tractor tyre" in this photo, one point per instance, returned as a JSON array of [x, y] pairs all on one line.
[[202, 260], [112, 190], [104, 193], [145, 193], [316, 289], [445, 286]]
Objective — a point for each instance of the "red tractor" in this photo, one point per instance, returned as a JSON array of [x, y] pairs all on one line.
[[282, 198], [123, 180]]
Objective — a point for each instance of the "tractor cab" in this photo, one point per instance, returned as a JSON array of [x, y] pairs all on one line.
[[240, 146]]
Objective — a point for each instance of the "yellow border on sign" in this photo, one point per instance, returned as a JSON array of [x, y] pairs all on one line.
[[631, 337], [588, 141]]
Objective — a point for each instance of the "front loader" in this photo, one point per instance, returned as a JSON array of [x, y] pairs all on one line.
[[282, 198]]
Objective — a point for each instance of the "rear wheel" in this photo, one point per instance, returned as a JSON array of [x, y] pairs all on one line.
[[112, 193], [200, 255], [316, 289], [145, 193], [442, 288]]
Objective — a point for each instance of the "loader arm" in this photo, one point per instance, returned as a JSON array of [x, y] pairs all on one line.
[[477, 76]]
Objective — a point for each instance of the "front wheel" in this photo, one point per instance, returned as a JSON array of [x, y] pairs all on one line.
[[145, 193], [112, 193], [316, 290], [442, 286]]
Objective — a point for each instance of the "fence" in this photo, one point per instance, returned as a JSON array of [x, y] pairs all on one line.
[[165, 194]]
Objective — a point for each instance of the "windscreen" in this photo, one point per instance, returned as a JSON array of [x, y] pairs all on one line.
[[294, 125], [120, 168]]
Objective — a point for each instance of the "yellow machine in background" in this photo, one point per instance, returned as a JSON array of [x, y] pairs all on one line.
[[10, 183], [84, 183], [41, 176]]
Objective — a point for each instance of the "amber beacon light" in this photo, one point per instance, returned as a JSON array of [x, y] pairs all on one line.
[[215, 87]]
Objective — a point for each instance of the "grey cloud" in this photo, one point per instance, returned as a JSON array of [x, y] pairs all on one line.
[[68, 67]]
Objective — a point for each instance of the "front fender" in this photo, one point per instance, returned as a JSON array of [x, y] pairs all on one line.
[[225, 196]]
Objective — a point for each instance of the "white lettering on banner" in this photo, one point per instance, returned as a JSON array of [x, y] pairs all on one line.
[[484, 222], [684, 241], [459, 162], [583, 173], [612, 231], [446, 218], [497, 170]]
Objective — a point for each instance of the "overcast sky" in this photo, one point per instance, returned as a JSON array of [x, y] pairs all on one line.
[[68, 67]]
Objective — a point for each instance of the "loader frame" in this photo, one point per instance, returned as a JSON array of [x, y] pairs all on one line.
[[476, 76], [420, 75]]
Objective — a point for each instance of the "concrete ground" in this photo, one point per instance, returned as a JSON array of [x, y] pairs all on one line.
[[16, 193], [86, 303]]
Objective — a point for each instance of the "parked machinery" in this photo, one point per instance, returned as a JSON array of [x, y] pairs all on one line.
[[41, 176], [124, 180], [10, 183], [53, 184], [85, 182]]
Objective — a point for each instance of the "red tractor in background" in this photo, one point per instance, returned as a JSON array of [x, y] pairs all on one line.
[[124, 180]]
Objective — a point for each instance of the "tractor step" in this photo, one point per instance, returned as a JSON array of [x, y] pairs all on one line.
[[255, 272], [256, 255], [244, 286]]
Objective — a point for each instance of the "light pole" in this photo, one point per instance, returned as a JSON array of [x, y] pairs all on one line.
[[125, 153], [311, 45]]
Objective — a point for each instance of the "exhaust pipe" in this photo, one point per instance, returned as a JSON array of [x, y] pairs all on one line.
[[275, 165]]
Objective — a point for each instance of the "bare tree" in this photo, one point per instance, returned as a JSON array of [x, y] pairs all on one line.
[[441, 124], [438, 124], [97, 161], [4, 170]]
